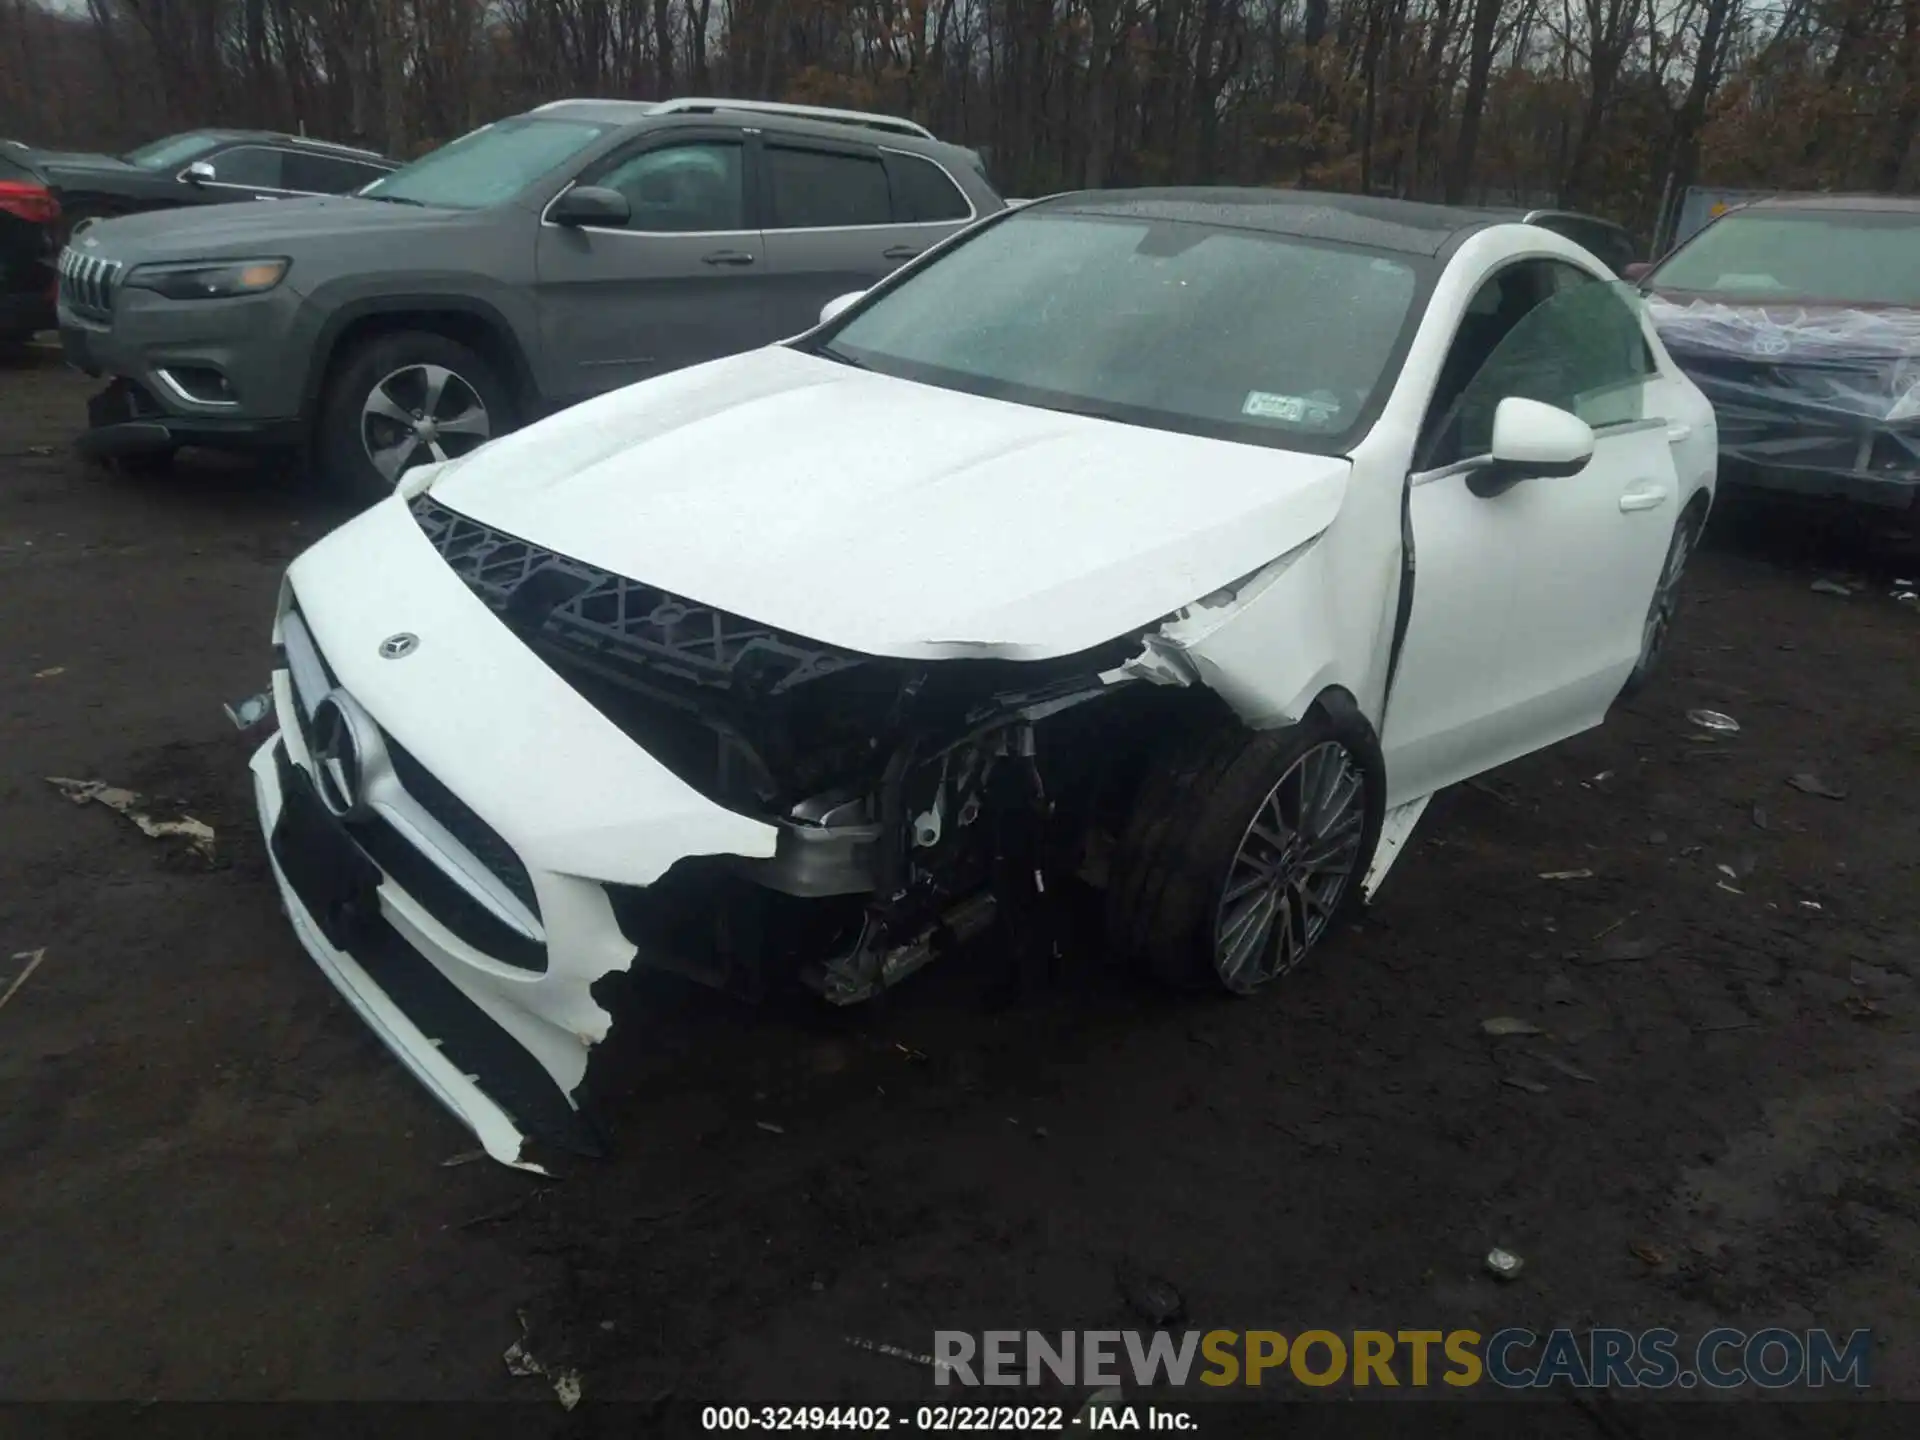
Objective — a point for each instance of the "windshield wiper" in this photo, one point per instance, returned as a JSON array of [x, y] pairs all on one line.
[[839, 357], [393, 199]]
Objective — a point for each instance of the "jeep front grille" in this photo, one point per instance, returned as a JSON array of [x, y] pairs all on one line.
[[87, 282]]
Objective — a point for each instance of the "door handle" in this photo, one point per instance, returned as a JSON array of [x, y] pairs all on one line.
[[727, 257], [1647, 495], [898, 252]]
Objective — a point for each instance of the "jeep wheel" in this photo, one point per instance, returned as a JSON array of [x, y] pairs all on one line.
[[403, 400], [1244, 850]]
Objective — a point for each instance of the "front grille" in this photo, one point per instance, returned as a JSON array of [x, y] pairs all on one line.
[[444, 897], [459, 821], [87, 282]]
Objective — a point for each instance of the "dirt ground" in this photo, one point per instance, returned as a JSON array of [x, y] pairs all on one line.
[[215, 1183]]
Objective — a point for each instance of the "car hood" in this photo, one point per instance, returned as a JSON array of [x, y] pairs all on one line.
[[890, 517], [252, 227]]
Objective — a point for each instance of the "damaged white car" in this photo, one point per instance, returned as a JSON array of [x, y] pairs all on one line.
[[1183, 541]]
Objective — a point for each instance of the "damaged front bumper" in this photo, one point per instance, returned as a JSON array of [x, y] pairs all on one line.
[[449, 825]]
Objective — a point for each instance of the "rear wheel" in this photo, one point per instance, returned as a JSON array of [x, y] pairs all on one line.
[[406, 399], [1244, 851]]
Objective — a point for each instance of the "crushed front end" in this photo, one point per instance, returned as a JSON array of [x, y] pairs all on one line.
[[503, 774]]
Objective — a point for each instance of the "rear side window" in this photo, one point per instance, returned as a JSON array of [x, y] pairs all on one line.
[[922, 193], [327, 174], [255, 166], [818, 189]]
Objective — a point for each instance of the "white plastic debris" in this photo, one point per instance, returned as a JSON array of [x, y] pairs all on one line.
[[1714, 720], [1504, 1264], [247, 713], [1566, 874], [197, 834]]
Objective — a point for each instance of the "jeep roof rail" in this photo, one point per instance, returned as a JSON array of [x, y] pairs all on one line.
[[892, 124]]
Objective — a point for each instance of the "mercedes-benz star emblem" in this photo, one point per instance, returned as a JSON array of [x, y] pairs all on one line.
[[345, 744], [398, 647]]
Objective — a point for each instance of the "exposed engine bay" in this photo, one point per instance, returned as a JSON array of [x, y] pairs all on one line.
[[923, 801]]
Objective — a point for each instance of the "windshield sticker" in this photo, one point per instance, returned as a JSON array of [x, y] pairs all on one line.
[[1294, 409]]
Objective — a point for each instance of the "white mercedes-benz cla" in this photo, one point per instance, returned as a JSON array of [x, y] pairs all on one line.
[[1182, 543]]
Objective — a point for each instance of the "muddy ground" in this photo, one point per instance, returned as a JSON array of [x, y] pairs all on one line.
[[214, 1183]]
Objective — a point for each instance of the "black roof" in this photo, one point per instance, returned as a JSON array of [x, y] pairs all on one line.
[[1411, 227]]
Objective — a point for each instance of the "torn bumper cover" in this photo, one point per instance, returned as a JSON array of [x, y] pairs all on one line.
[[1814, 401], [446, 818]]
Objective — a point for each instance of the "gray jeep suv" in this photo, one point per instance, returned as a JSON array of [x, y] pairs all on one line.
[[533, 263]]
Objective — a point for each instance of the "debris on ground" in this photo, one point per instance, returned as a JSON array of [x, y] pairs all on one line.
[[33, 959], [1521, 1082], [1487, 789], [1759, 818], [465, 1157], [50, 672], [1824, 586], [1497, 1025], [1714, 720], [1504, 1264], [1814, 785], [1861, 1008], [1150, 1297], [1560, 1067], [1647, 1253], [1810, 905], [198, 835], [1628, 947], [522, 1361], [770, 1127], [880, 1347], [1566, 874], [247, 713]]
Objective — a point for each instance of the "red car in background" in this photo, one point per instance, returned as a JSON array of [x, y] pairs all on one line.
[[29, 245]]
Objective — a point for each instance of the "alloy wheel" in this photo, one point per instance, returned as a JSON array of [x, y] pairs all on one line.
[[420, 413], [1292, 868], [1666, 595]]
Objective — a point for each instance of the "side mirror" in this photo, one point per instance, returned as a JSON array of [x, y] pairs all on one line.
[[838, 305], [1532, 441], [200, 172], [1636, 272], [591, 205]]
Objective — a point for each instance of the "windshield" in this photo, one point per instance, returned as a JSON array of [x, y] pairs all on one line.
[[1176, 325], [1866, 257], [487, 167], [173, 151]]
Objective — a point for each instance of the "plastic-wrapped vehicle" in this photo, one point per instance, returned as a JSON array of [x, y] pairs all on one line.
[[1800, 320], [1084, 545]]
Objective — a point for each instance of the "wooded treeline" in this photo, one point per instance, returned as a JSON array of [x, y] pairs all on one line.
[[1608, 105]]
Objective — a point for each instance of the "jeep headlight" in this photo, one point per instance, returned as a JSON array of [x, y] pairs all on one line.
[[210, 280]]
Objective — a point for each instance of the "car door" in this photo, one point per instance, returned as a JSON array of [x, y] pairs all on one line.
[[243, 172], [841, 216], [1527, 604], [682, 282]]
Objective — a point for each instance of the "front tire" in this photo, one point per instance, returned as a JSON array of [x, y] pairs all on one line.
[[1245, 850], [407, 399], [1665, 603]]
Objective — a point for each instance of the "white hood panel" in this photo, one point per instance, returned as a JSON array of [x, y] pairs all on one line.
[[889, 517]]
